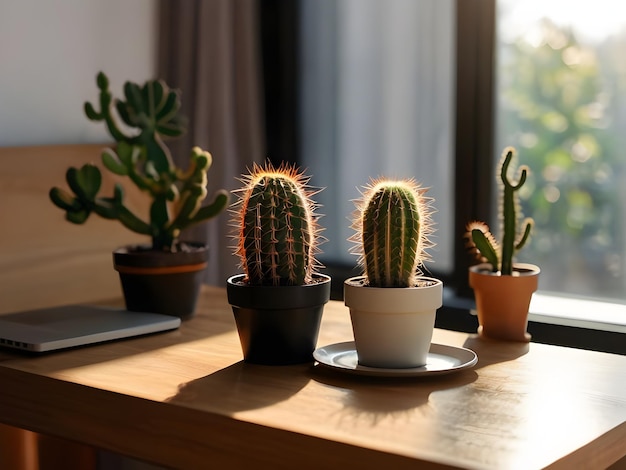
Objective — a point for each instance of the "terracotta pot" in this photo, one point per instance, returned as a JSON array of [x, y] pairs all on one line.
[[278, 325], [161, 282], [392, 327], [502, 302]]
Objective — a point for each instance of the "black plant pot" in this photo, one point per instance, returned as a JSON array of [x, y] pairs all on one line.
[[161, 282], [278, 325]]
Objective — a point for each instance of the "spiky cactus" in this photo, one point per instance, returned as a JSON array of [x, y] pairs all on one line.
[[392, 225], [278, 232], [152, 110], [481, 241]]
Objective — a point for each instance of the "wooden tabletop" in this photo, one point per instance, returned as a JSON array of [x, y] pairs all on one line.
[[185, 399]]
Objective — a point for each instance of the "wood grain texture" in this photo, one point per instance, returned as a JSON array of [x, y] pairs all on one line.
[[185, 399], [45, 260]]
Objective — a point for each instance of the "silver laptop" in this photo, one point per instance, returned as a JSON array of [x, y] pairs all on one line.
[[69, 326]]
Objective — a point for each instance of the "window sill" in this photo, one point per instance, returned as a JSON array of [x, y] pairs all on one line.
[[577, 312]]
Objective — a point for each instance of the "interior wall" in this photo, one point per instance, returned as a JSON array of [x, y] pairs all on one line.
[[50, 54]]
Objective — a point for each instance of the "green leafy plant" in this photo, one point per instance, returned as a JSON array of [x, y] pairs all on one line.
[[277, 227], [151, 111], [481, 242], [393, 225]]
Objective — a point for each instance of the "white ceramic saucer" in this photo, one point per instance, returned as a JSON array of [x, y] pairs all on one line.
[[442, 359]]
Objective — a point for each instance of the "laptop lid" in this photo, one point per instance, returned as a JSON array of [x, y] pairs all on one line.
[[53, 328]]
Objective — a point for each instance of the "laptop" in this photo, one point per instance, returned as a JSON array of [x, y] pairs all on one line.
[[68, 326]]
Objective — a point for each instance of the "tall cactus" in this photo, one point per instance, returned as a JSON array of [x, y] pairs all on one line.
[[152, 110], [392, 226], [481, 241], [278, 231]]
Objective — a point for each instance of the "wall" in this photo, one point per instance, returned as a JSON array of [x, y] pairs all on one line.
[[50, 53]]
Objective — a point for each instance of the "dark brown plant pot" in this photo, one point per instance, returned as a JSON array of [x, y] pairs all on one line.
[[278, 325], [161, 282]]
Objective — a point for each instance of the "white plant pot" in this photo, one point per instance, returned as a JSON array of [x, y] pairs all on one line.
[[393, 327]]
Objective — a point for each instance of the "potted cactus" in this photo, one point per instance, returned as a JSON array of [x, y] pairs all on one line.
[[278, 300], [165, 275], [503, 289], [392, 305]]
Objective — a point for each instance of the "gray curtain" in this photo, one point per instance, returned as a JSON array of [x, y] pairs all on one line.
[[210, 50], [378, 100]]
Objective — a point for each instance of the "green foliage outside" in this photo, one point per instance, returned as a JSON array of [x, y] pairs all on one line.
[[563, 105]]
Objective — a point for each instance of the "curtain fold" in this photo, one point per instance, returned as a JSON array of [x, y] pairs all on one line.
[[378, 100], [210, 50]]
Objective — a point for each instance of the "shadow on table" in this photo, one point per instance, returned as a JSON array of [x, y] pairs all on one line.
[[244, 386], [378, 397], [490, 351]]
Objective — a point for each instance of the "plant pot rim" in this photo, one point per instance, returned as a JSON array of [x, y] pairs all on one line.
[[236, 279], [245, 295], [519, 270], [360, 281], [146, 248], [131, 258], [376, 299]]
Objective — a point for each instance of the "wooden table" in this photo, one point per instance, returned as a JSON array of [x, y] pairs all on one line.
[[185, 399]]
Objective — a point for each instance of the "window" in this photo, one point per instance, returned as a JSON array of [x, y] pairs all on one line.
[[435, 90], [561, 100]]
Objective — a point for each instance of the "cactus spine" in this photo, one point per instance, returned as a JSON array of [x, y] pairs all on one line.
[[392, 228], [277, 227], [153, 111], [480, 239]]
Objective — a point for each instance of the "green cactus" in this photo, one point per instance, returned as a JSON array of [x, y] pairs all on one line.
[[481, 241], [392, 226], [152, 110], [278, 231]]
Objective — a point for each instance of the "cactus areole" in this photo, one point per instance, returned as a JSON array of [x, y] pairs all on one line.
[[392, 228], [277, 229], [150, 112]]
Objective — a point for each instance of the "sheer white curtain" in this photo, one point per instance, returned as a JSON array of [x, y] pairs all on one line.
[[378, 100]]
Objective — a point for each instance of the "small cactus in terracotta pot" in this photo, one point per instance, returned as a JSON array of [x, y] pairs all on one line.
[[502, 288], [392, 305], [279, 298]]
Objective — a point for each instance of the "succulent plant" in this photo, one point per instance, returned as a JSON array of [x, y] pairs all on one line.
[[152, 111], [393, 225], [481, 241], [277, 227]]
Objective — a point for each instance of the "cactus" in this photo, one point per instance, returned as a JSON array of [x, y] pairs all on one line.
[[481, 241], [277, 228], [392, 225], [152, 110]]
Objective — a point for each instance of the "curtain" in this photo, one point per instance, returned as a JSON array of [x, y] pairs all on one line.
[[378, 100], [210, 50]]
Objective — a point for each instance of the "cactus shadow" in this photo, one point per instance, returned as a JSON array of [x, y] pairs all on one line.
[[243, 386], [491, 351], [378, 397]]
